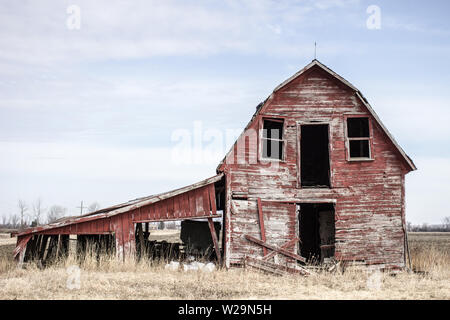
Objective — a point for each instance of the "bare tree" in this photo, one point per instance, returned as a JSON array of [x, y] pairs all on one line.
[[23, 208], [14, 221], [38, 210], [56, 212], [4, 220], [93, 207], [446, 223], [409, 226]]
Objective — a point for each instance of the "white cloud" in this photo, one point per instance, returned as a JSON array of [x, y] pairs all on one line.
[[36, 33]]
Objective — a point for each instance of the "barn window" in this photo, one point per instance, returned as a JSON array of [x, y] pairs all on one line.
[[358, 136], [272, 139]]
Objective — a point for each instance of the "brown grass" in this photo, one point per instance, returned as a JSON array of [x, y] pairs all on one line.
[[108, 279]]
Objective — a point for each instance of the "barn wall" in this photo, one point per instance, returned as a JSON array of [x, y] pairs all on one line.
[[368, 195]]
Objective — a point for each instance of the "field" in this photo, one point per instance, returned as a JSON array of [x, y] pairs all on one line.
[[430, 253]]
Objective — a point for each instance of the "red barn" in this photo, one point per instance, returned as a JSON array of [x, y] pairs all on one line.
[[315, 176]]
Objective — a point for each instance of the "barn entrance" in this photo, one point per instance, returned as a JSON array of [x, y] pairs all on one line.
[[316, 231]]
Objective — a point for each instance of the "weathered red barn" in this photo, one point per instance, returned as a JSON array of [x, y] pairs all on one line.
[[315, 175]]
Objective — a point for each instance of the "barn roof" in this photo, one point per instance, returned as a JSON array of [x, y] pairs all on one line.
[[358, 94], [121, 208]]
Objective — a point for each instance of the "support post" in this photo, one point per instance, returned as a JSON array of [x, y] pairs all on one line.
[[141, 239], [43, 246], [214, 238]]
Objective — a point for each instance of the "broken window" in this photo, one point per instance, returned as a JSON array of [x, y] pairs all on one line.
[[314, 156], [358, 135], [272, 139]]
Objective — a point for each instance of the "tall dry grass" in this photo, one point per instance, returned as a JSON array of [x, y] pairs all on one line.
[[106, 278]]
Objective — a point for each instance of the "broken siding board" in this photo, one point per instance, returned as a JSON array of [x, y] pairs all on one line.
[[261, 225], [206, 204]]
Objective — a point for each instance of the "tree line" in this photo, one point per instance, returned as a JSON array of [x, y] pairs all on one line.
[[35, 214], [425, 227]]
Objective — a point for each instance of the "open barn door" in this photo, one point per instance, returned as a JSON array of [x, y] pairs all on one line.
[[317, 231]]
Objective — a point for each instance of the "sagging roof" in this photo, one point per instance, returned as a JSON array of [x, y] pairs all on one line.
[[358, 94], [120, 208]]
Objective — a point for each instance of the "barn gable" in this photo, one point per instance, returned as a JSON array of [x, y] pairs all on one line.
[[315, 98]]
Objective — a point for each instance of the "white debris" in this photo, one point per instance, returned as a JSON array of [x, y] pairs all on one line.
[[195, 266], [172, 266], [200, 265], [190, 267], [209, 267]]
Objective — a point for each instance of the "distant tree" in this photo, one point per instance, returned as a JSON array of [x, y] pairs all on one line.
[[446, 223], [161, 225], [93, 207], [55, 212], [14, 221], [38, 211], [409, 226], [4, 220], [23, 208]]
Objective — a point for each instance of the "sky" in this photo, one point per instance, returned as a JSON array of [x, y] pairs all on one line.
[[96, 96]]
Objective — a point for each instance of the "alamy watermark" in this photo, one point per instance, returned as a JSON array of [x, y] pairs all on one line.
[[207, 146], [374, 280], [373, 22], [73, 281], [73, 21]]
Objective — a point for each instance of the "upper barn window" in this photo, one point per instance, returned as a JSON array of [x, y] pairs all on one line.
[[272, 139], [359, 139]]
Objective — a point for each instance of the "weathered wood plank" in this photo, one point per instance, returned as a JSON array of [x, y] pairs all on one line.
[[275, 248]]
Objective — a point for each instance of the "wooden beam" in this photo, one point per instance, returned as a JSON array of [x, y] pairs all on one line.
[[275, 248], [261, 225], [214, 238], [43, 246], [273, 267], [180, 218], [265, 266], [141, 239], [284, 246]]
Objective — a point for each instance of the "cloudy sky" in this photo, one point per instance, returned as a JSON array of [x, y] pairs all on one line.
[[93, 113]]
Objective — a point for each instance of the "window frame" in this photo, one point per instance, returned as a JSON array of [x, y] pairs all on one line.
[[261, 138], [348, 139]]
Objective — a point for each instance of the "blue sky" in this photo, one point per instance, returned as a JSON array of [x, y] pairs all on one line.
[[90, 114]]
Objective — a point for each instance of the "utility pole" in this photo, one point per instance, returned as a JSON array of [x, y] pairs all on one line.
[[81, 208]]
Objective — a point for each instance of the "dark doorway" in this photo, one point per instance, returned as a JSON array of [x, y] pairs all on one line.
[[317, 231], [314, 156]]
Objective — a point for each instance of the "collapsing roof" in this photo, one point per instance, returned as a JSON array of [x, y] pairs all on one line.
[[122, 208]]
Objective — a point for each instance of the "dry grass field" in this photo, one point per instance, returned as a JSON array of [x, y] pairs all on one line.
[[108, 279]]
